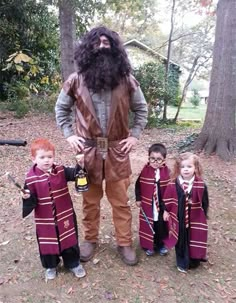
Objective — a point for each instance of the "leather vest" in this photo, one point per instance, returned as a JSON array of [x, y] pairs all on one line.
[[116, 165]]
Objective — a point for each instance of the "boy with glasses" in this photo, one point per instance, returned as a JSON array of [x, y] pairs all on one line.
[[149, 189]]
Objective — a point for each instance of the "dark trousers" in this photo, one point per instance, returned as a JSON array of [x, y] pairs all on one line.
[[160, 232], [183, 260], [70, 257]]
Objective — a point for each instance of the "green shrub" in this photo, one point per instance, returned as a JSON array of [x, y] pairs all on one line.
[[43, 104], [19, 107], [151, 77], [17, 98], [195, 99], [16, 90], [153, 121]]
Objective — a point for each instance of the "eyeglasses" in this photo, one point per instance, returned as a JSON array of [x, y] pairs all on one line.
[[153, 160]]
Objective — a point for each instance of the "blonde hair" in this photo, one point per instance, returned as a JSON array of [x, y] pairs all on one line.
[[186, 156]]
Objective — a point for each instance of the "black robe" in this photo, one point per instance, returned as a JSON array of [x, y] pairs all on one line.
[[183, 238]]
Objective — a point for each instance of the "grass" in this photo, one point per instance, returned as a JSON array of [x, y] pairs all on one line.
[[188, 111], [189, 116]]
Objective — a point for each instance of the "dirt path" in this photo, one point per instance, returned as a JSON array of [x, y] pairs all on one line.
[[154, 279]]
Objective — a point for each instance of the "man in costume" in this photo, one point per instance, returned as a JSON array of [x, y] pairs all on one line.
[[103, 92]]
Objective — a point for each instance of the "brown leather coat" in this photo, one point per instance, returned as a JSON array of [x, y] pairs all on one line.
[[117, 164]]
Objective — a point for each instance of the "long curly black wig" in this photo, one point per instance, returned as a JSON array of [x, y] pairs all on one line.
[[102, 68]]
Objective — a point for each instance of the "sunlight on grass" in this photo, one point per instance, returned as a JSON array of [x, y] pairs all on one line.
[[188, 111]]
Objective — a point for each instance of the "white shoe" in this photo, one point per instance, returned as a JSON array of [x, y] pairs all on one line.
[[163, 251], [78, 271], [181, 270], [50, 273]]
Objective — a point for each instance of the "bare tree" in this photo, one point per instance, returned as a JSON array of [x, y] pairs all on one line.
[[194, 44], [197, 54], [218, 132]]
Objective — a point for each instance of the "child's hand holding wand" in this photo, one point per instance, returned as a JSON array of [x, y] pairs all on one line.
[[25, 194]]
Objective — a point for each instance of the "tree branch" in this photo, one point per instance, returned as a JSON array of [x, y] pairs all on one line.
[[194, 72], [173, 40]]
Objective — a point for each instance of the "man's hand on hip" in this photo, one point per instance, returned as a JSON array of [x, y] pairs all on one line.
[[76, 143], [129, 143]]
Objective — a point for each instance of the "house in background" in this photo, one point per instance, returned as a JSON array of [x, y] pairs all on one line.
[[139, 54], [203, 94]]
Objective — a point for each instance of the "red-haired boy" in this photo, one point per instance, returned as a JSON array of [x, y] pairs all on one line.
[[55, 219]]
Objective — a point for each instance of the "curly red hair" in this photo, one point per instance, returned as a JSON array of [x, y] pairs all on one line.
[[41, 143]]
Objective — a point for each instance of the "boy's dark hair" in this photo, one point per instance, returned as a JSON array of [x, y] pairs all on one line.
[[158, 148]]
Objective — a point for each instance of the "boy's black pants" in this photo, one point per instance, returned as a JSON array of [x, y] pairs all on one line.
[[70, 257]]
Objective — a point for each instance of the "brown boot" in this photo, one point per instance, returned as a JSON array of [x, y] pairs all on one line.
[[128, 255], [87, 250]]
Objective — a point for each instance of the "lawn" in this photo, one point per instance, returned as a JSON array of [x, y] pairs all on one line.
[[188, 111]]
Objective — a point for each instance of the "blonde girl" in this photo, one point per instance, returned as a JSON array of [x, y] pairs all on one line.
[[186, 205]]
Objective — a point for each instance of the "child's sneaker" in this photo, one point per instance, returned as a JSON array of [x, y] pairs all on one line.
[[78, 271], [163, 251], [181, 270], [149, 252], [50, 273]]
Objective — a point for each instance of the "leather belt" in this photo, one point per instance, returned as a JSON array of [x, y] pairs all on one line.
[[102, 143]]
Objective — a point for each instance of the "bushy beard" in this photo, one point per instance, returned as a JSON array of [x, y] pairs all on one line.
[[103, 71]]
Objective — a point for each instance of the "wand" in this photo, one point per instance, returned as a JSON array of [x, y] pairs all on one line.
[[148, 222], [15, 183]]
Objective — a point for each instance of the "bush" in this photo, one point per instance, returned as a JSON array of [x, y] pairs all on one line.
[[21, 101], [16, 90], [17, 98], [153, 121], [195, 99], [43, 104], [151, 77], [21, 108]]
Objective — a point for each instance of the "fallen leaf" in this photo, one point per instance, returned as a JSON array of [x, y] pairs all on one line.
[[96, 261], [4, 243], [28, 238], [84, 285], [70, 291]]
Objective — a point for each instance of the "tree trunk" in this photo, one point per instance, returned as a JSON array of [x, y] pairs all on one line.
[[218, 132], [168, 60], [183, 96], [190, 78], [67, 37]]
